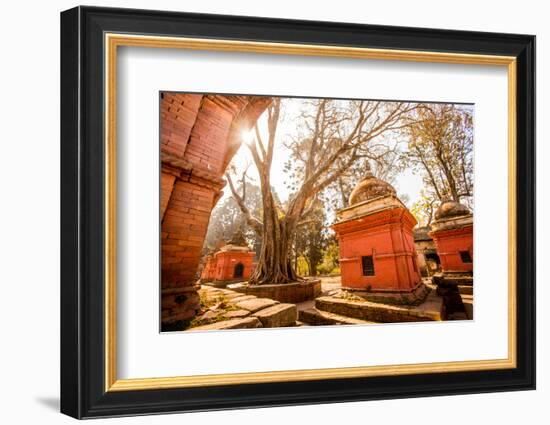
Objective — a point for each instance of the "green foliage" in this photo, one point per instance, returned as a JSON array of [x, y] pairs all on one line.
[[328, 270], [220, 304], [346, 295], [331, 255], [302, 267], [424, 208], [310, 240]]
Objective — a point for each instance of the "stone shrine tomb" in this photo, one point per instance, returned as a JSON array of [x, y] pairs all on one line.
[[452, 232], [377, 252], [232, 263]]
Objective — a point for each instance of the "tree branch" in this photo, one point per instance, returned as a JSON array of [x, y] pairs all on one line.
[[252, 221]]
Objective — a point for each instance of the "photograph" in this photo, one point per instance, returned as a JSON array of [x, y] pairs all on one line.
[[279, 210], [308, 211]]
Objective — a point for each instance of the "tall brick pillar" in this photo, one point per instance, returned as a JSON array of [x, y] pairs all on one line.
[[199, 136]]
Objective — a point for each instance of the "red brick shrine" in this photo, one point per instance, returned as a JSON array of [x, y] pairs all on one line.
[[452, 232], [234, 262], [377, 251]]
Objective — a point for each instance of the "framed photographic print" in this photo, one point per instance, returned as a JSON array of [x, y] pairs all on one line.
[[261, 212]]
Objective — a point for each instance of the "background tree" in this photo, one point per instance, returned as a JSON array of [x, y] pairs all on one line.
[[424, 208], [311, 236], [384, 161], [331, 256], [440, 144], [332, 136]]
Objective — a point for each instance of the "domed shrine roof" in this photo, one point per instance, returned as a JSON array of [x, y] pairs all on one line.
[[370, 188], [450, 209], [236, 243], [238, 238]]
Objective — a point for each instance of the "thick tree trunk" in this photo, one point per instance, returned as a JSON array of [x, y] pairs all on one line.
[[275, 262], [275, 265]]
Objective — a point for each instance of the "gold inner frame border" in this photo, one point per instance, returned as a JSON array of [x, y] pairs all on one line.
[[111, 43]]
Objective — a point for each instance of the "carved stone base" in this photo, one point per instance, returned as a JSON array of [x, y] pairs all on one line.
[[431, 309], [414, 297], [296, 292], [456, 278], [179, 305], [221, 283]]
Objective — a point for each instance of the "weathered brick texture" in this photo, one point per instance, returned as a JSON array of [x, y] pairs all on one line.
[[178, 114], [199, 136], [166, 185]]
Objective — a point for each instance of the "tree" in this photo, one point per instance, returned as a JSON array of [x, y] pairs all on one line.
[[424, 208], [311, 236], [440, 143], [331, 256], [333, 136]]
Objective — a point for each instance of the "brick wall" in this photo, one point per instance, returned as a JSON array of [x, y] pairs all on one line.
[[178, 114], [199, 136]]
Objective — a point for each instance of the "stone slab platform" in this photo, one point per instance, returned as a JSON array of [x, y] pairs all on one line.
[[414, 297], [255, 304], [317, 317], [278, 316], [468, 301], [466, 289], [244, 323], [296, 292], [221, 283], [429, 310], [241, 311], [449, 278]]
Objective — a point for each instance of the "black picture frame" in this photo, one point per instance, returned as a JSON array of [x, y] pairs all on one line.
[[83, 392]]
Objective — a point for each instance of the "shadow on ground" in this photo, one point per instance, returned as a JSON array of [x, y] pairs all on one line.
[[49, 402]]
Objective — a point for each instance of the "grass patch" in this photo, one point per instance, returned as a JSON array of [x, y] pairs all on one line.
[[219, 303], [345, 295]]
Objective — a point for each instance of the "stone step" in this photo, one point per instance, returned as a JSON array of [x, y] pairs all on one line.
[[255, 304], [468, 302], [278, 315], [458, 316], [384, 313], [466, 289], [246, 323], [315, 317]]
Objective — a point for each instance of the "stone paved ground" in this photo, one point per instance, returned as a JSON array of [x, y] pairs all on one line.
[[226, 309], [241, 306], [270, 313], [329, 285]]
